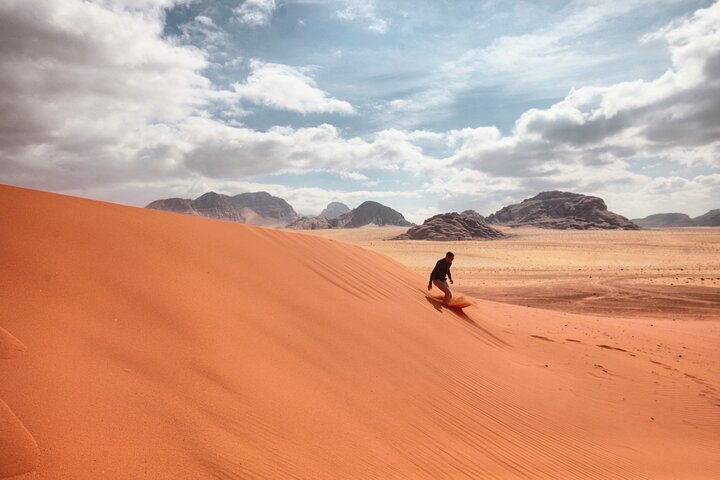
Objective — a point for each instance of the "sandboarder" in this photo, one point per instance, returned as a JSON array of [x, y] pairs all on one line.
[[437, 277]]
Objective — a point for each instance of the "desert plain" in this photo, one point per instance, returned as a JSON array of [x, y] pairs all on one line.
[[146, 344]]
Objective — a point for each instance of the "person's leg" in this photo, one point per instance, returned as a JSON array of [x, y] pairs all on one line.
[[444, 287]]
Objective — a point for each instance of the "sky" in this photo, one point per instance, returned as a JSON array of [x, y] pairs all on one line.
[[425, 106]]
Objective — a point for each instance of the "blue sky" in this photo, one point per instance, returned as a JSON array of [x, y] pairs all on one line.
[[426, 106]]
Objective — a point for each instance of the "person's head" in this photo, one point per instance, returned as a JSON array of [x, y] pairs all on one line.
[[449, 257]]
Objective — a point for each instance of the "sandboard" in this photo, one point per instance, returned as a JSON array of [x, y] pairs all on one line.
[[457, 301]]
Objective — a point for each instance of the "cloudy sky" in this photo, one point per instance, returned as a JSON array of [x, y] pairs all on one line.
[[425, 106]]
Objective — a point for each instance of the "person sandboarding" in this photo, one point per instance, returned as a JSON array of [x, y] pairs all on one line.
[[437, 277]]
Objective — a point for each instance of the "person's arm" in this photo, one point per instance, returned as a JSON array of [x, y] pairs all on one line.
[[450, 276]]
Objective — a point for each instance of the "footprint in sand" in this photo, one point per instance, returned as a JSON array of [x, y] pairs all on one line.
[[540, 337]]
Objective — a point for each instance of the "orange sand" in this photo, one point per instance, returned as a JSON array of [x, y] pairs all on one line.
[[672, 273], [144, 344]]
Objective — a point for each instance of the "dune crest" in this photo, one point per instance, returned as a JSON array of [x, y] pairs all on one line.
[[169, 346]]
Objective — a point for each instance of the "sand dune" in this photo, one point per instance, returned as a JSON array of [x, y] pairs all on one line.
[[144, 344]]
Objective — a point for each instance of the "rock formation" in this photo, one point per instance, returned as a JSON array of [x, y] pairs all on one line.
[[664, 220], [452, 226], [370, 212], [310, 223], [710, 219], [561, 210], [334, 210], [258, 208]]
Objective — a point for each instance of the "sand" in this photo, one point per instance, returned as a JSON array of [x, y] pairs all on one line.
[[671, 273], [145, 344]]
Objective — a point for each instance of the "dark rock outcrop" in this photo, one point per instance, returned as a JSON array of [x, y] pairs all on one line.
[[473, 214], [310, 223], [334, 210], [370, 212], [258, 208], [710, 219], [452, 226], [664, 220], [561, 210]]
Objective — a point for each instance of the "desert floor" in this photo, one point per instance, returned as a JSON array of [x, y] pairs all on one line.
[[148, 345], [671, 274]]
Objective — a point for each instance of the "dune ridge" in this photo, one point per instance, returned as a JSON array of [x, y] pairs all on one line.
[[165, 346]]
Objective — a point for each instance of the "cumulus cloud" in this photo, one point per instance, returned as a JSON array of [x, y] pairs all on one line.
[[215, 150], [676, 116], [85, 83], [255, 13], [96, 101], [288, 88]]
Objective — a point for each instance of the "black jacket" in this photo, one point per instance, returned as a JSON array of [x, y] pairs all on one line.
[[441, 270]]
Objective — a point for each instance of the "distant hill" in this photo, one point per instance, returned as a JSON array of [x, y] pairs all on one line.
[[665, 220], [467, 225], [710, 219], [561, 210], [257, 208], [366, 213], [334, 210], [370, 212]]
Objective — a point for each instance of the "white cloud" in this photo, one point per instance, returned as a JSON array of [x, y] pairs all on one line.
[[255, 13], [203, 31], [95, 101], [288, 88], [83, 84], [676, 116], [215, 150], [364, 11]]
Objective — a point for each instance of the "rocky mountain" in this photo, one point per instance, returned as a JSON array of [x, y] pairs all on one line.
[[710, 219], [473, 214], [561, 210], [664, 220], [310, 223], [467, 225], [370, 212], [334, 210], [365, 214], [257, 208]]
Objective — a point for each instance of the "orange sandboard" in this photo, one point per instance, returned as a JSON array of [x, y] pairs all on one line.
[[457, 301]]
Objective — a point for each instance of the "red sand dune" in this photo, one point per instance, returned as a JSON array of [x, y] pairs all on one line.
[[144, 344]]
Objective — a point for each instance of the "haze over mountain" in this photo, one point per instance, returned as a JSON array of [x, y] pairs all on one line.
[[670, 220], [562, 210], [710, 219], [366, 213], [256, 208], [334, 210], [370, 212], [664, 220]]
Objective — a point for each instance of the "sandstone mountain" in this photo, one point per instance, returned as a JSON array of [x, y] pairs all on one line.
[[365, 214], [310, 223], [561, 210], [710, 219], [257, 208], [334, 210], [370, 212], [467, 225], [664, 220]]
